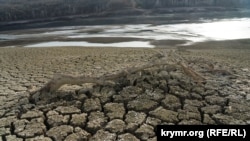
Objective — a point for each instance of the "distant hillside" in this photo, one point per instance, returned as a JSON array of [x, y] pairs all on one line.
[[12, 10]]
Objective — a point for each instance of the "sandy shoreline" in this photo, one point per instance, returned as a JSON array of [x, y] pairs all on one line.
[[224, 99]]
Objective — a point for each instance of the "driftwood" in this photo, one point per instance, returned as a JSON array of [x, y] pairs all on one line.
[[197, 77], [61, 79]]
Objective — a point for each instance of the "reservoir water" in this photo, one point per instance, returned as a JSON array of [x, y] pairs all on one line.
[[139, 35]]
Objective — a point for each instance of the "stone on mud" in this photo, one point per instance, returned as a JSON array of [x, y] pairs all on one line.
[[6, 122], [13, 138], [127, 137], [145, 132], [105, 94], [79, 135], [190, 122], [141, 105], [195, 103], [135, 117], [211, 109], [153, 121], [39, 138], [127, 94], [102, 135], [248, 97], [215, 100], [190, 108], [4, 131], [67, 110], [28, 129], [115, 126], [96, 120], [60, 132], [179, 92], [114, 110], [171, 102], [32, 114], [208, 120], [156, 94], [92, 105], [79, 119], [199, 90], [165, 115], [133, 120], [54, 119], [186, 115]]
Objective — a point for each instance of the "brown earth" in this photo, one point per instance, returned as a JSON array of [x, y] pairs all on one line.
[[132, 107]]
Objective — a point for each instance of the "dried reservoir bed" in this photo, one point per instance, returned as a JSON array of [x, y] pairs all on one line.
[[132, 107]]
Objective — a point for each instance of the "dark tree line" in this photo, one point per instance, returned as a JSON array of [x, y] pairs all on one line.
[[11, 10]]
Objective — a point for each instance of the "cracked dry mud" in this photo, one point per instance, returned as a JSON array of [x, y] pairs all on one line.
[[127, 111]]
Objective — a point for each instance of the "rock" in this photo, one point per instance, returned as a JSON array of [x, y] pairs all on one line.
[[135, 117], [92, 105], [67, 110], [127, 94], [173, 82], [165, 115], [216, 100], [82, 96], [248, 97], [155, 95], [4, 131], [26, 129], [79, 135], [208, 120], [152, 139], [190, 122], [171, 102], [186, 115], [190, 108], [102, 135], [6, 122], [127, 137], [195, 103], [13, 138], [141, 105], [106, 94], [195, 96], [96, 120], [199, 90], [54, 119], [23, 101], [179, 92], [145, 132], [32, 114], [133, 120], [114, 110], [131, 127], [211, 109], [60, 132], [115, 126], [153, 121], [163, 86], [39, 138], [222, 119], [79, 119]]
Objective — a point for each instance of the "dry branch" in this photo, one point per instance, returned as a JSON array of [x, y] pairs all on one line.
[[61, 79], [197, 77]]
